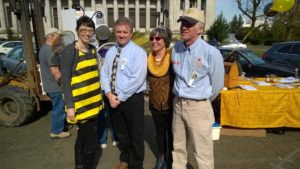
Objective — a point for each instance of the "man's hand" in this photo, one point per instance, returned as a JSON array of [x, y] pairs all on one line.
[[113, 100], [55, 72], [71, 114]]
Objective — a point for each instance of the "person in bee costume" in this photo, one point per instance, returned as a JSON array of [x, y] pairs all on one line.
[[82, 91]]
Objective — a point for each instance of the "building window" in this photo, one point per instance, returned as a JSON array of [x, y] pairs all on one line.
[[55, 18], [77, 2], [132, 15], [203, 4], [110, 17], [9, 17], [153, 2], [87, 3], [193, 4], [182, 4], [143, 18], [121, 12], [152, 18], [98, 1], [131, 1]]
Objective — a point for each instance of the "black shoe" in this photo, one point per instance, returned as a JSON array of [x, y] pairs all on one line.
[[89, 160], [79, 155], [68, 127]]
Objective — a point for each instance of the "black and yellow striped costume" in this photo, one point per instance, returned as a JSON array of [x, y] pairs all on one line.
[[86, 89]]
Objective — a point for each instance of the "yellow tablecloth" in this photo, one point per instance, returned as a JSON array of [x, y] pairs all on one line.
[[267, 107]]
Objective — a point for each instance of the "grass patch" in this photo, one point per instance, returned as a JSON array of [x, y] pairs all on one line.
[[142, 39], [258, 49]]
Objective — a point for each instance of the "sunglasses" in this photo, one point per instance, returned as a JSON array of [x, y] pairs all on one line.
[[156, 38]]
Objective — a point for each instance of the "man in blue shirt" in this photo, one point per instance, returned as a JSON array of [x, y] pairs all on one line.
[[199, 77], [124, 90]]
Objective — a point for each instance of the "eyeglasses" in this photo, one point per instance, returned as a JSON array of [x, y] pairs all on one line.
[[156, 38], [90, 31]]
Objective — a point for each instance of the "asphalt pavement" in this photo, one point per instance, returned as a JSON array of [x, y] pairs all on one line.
[[29, 147]]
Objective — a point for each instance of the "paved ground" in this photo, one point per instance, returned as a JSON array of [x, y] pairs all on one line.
[[29, 147]]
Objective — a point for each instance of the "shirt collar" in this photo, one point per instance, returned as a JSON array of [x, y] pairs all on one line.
[[193, 46], [123, 47]]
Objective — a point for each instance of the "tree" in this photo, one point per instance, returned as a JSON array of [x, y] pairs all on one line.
[[236, 24], [251, 9], [240, 21], [219, 29], [290, 20], [234, 27], [11, 35]]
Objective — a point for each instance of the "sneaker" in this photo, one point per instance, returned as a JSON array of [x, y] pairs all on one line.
[[115, 143], [103, 146], [62, 134]]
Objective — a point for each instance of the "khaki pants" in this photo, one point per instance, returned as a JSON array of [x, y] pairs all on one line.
[[193, 120]]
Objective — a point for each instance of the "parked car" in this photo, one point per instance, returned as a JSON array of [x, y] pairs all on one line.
[[233, 42], [13, 62], [214, 43], [252, 64], [285, 53], [7, 46]]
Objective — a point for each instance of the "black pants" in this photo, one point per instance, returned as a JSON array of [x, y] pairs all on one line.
[[163, 125], [128, 121], [87, 137]]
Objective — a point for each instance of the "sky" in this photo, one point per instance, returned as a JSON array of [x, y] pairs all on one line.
[[228, 7]]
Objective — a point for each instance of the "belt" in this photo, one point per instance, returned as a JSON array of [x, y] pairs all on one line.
[[182, 99]]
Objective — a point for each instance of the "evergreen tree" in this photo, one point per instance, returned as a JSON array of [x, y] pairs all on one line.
[[240, 21], [219, 29], [234, 25]]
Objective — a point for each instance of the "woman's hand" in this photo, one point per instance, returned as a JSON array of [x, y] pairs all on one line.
[[71, 114]]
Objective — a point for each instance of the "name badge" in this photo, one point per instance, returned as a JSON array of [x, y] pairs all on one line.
[[124, 62], [193, 77]]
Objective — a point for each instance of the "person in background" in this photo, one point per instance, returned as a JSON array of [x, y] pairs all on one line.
[[199, 77], [160, 78], [104, 120], [123, 77], [82, 91], [50, 77]]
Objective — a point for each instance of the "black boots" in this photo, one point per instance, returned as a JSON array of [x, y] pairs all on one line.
[[88, 160], [78, 156], [83, 160]]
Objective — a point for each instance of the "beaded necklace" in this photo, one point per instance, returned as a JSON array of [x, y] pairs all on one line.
[[159, 68]]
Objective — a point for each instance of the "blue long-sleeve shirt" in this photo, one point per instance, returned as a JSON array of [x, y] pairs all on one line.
[[131, 70], [199, 70]]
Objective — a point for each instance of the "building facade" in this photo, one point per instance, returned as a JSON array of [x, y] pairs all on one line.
[[144, 13]]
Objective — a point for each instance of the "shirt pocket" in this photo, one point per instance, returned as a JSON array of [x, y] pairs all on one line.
[[200, 68]]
